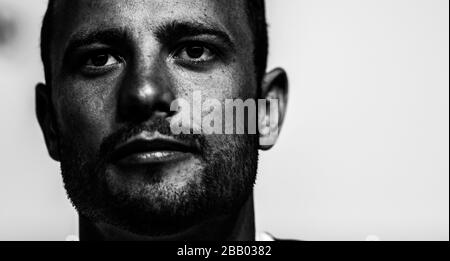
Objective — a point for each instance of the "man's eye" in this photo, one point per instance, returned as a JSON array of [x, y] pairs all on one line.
[[101, 60], [195, 53]]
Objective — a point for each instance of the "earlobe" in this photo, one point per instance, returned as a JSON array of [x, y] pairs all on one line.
[[272, 109], [44, 113]]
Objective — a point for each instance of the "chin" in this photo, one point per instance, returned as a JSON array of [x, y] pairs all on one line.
[[173, 179]]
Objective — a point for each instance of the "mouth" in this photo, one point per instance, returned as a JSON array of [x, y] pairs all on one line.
[[144, 150]]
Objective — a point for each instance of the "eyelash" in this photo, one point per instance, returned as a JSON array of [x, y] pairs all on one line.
[[94, 54], [96, 70], [215, 53], [92, 70]]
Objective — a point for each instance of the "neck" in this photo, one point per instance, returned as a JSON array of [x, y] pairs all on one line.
[[236, 227]]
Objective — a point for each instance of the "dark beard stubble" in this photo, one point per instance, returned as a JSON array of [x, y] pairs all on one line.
[[229, 174]]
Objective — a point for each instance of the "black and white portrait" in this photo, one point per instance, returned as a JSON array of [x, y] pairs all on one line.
[[214, 120]]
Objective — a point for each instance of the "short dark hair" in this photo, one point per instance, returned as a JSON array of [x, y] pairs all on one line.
[[255, 10]]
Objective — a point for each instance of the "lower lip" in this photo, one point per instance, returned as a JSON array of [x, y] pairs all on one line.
[[153, 157]]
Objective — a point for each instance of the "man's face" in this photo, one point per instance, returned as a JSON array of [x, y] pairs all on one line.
[[116, 66]]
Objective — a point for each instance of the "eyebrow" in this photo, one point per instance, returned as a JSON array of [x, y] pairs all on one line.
[[107, 36], [166, 34], [176, 30]]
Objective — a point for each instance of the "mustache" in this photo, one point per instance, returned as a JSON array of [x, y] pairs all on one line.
[[159, 125]]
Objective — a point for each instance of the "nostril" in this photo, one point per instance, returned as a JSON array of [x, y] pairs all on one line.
[[139, 103], [160, 106]]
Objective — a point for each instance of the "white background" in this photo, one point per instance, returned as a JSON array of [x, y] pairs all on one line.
[[365, 146]]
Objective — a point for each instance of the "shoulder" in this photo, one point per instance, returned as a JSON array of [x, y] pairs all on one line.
[[264, 236]]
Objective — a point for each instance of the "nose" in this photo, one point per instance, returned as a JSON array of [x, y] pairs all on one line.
[[145, 92]]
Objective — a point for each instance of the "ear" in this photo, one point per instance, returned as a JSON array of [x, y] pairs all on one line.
[[47, 121], [271, 112]]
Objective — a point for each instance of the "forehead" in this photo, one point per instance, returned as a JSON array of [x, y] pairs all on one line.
[[83, 15]]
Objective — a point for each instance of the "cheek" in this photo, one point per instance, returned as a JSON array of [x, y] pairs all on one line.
[[233, 81], [83, 115], [231, 149], [226, 82]]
